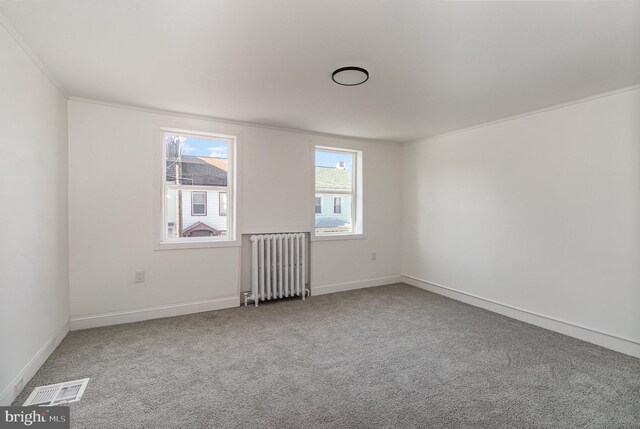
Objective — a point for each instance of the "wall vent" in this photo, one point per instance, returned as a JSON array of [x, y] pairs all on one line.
[[56, 394]]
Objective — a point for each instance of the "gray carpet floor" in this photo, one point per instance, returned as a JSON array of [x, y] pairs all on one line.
[[386, 357]]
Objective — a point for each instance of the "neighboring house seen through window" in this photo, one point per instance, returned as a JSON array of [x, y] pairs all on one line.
[[338, 188], [197, 175]]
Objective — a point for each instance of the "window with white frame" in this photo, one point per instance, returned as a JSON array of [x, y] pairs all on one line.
[[337, 205], [222, 206], [198, 203], [197, 172], [338, 185]]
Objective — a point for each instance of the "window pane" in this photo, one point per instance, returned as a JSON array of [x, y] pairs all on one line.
[[196, 160], [334, 174], [187, 219], [333, 171], [198, 203], [198, 197], [198, 210], [223, 204], [200, 161], [332, 221]]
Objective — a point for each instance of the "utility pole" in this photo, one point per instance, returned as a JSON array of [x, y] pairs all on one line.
[[177, 142]]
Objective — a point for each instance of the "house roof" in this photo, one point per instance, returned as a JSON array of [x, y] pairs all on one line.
[[330, 222], [199, 226], [206, 171], [333, 179], [199, 170]]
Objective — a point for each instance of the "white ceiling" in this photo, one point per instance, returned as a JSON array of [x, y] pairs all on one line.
[[435, 67]]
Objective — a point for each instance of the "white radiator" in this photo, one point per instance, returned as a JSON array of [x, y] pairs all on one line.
[[278, 267]]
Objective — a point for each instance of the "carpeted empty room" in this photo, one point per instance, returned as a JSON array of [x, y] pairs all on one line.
[[319, 214], [391, 356]]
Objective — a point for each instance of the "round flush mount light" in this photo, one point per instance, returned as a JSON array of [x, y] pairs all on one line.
[[350, 76]]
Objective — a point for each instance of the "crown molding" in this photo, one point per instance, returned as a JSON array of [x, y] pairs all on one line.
[[228, 121], [34, 58], [530, 113]]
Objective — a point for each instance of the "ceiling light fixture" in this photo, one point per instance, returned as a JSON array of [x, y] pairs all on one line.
[[350, 76]]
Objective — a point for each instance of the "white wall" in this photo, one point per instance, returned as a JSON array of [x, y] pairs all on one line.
[[540, 212], [34, 294], [111, 168]]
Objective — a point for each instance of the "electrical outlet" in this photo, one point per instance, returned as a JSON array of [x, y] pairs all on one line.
[[374, 256], [140, 276]]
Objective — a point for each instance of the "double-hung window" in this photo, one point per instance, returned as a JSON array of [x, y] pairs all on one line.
[[197, 174], [198, 203], [338, 186], [337, 205], [222, 207]]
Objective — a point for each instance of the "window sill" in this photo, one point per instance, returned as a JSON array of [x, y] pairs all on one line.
[[172, 245], [338, 237]]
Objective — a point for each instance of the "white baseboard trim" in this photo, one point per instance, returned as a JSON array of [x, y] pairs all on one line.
[[137, 315], [610, 341], [341, 287], [9, 394]]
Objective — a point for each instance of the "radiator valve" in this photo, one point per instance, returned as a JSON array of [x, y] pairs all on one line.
[[247, 296]]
